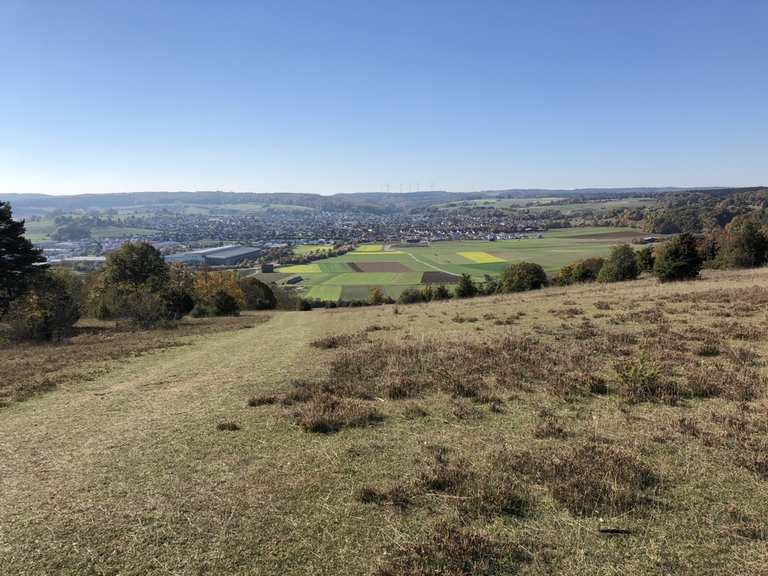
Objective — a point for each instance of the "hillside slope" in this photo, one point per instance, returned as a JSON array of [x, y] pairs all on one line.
[[517, 425]]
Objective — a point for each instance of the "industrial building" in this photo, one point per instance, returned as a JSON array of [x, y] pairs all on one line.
[[221, 256]]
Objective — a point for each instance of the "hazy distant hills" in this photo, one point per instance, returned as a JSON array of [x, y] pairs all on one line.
[[38, 204]]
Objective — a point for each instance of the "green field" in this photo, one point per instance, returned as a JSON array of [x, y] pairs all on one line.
[[303, 249], [334, 278], [41, 231]]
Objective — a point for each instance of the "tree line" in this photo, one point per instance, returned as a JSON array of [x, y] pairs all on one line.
[[135, 286]]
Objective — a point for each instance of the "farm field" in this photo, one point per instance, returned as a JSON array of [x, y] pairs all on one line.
[[350, 276], [448, 446], [41, 230]]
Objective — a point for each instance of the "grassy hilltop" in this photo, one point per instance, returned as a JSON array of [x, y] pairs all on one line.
[[611, 429]]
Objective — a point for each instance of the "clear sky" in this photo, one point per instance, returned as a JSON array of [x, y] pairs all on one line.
[[341, 96]]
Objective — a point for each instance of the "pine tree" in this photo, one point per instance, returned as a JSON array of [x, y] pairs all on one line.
[[18, 258], [679, 259]]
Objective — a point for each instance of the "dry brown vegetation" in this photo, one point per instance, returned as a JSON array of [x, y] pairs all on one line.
[[661, 351], [451, 550]]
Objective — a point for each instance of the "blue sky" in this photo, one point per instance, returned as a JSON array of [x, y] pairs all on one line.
[[342, 96]]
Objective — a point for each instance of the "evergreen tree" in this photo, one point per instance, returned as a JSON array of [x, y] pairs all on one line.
[[621, 265], [19, 261], [645, 259], [679, 259], [466, 288]]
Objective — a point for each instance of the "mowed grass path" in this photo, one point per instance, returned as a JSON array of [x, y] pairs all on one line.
[[128, 473]]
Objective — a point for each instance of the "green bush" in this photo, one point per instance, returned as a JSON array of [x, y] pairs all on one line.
[[523, 276], [746, 247], [258, 295], [579, 271], [145, 309], [179, 293], [410, 296], [645, 259], [466, 288], [442, 293], [376, 296], [224, 304], [621, 265], [678, 260], [137, 285]]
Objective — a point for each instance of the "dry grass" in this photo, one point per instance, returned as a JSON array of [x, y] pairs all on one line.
[[633, 443]]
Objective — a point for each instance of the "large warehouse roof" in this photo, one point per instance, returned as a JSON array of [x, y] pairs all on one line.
[[231, 252]]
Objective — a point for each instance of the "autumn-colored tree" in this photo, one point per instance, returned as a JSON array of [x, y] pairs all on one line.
[[207, 287], [47, 310]]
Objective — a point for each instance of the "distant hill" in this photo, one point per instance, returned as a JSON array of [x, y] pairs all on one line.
[[378, 202], [701, 210]]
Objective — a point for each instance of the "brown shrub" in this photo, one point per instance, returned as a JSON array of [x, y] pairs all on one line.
[[465, 410], [596, 479], [549, 426], [414, 410], [334, 341], [228, 426], [738, 330], [495, 487], [759, 464], [446, 474], [397, 496], [263, 400], [740, 383], [450, 550], [461, 319], [708, 348], [325, 414]]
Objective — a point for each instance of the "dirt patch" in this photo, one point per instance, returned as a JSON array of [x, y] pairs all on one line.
[[396, 267], [439, 278]]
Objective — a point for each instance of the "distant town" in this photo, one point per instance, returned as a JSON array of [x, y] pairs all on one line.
[[243, 229]]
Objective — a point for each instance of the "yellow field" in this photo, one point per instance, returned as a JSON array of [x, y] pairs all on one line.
[[481, 257], [370, 248], [301, 269]]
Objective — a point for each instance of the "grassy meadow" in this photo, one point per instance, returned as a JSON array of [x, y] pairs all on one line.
[[42, 230], [337, 278], [608, 430]]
